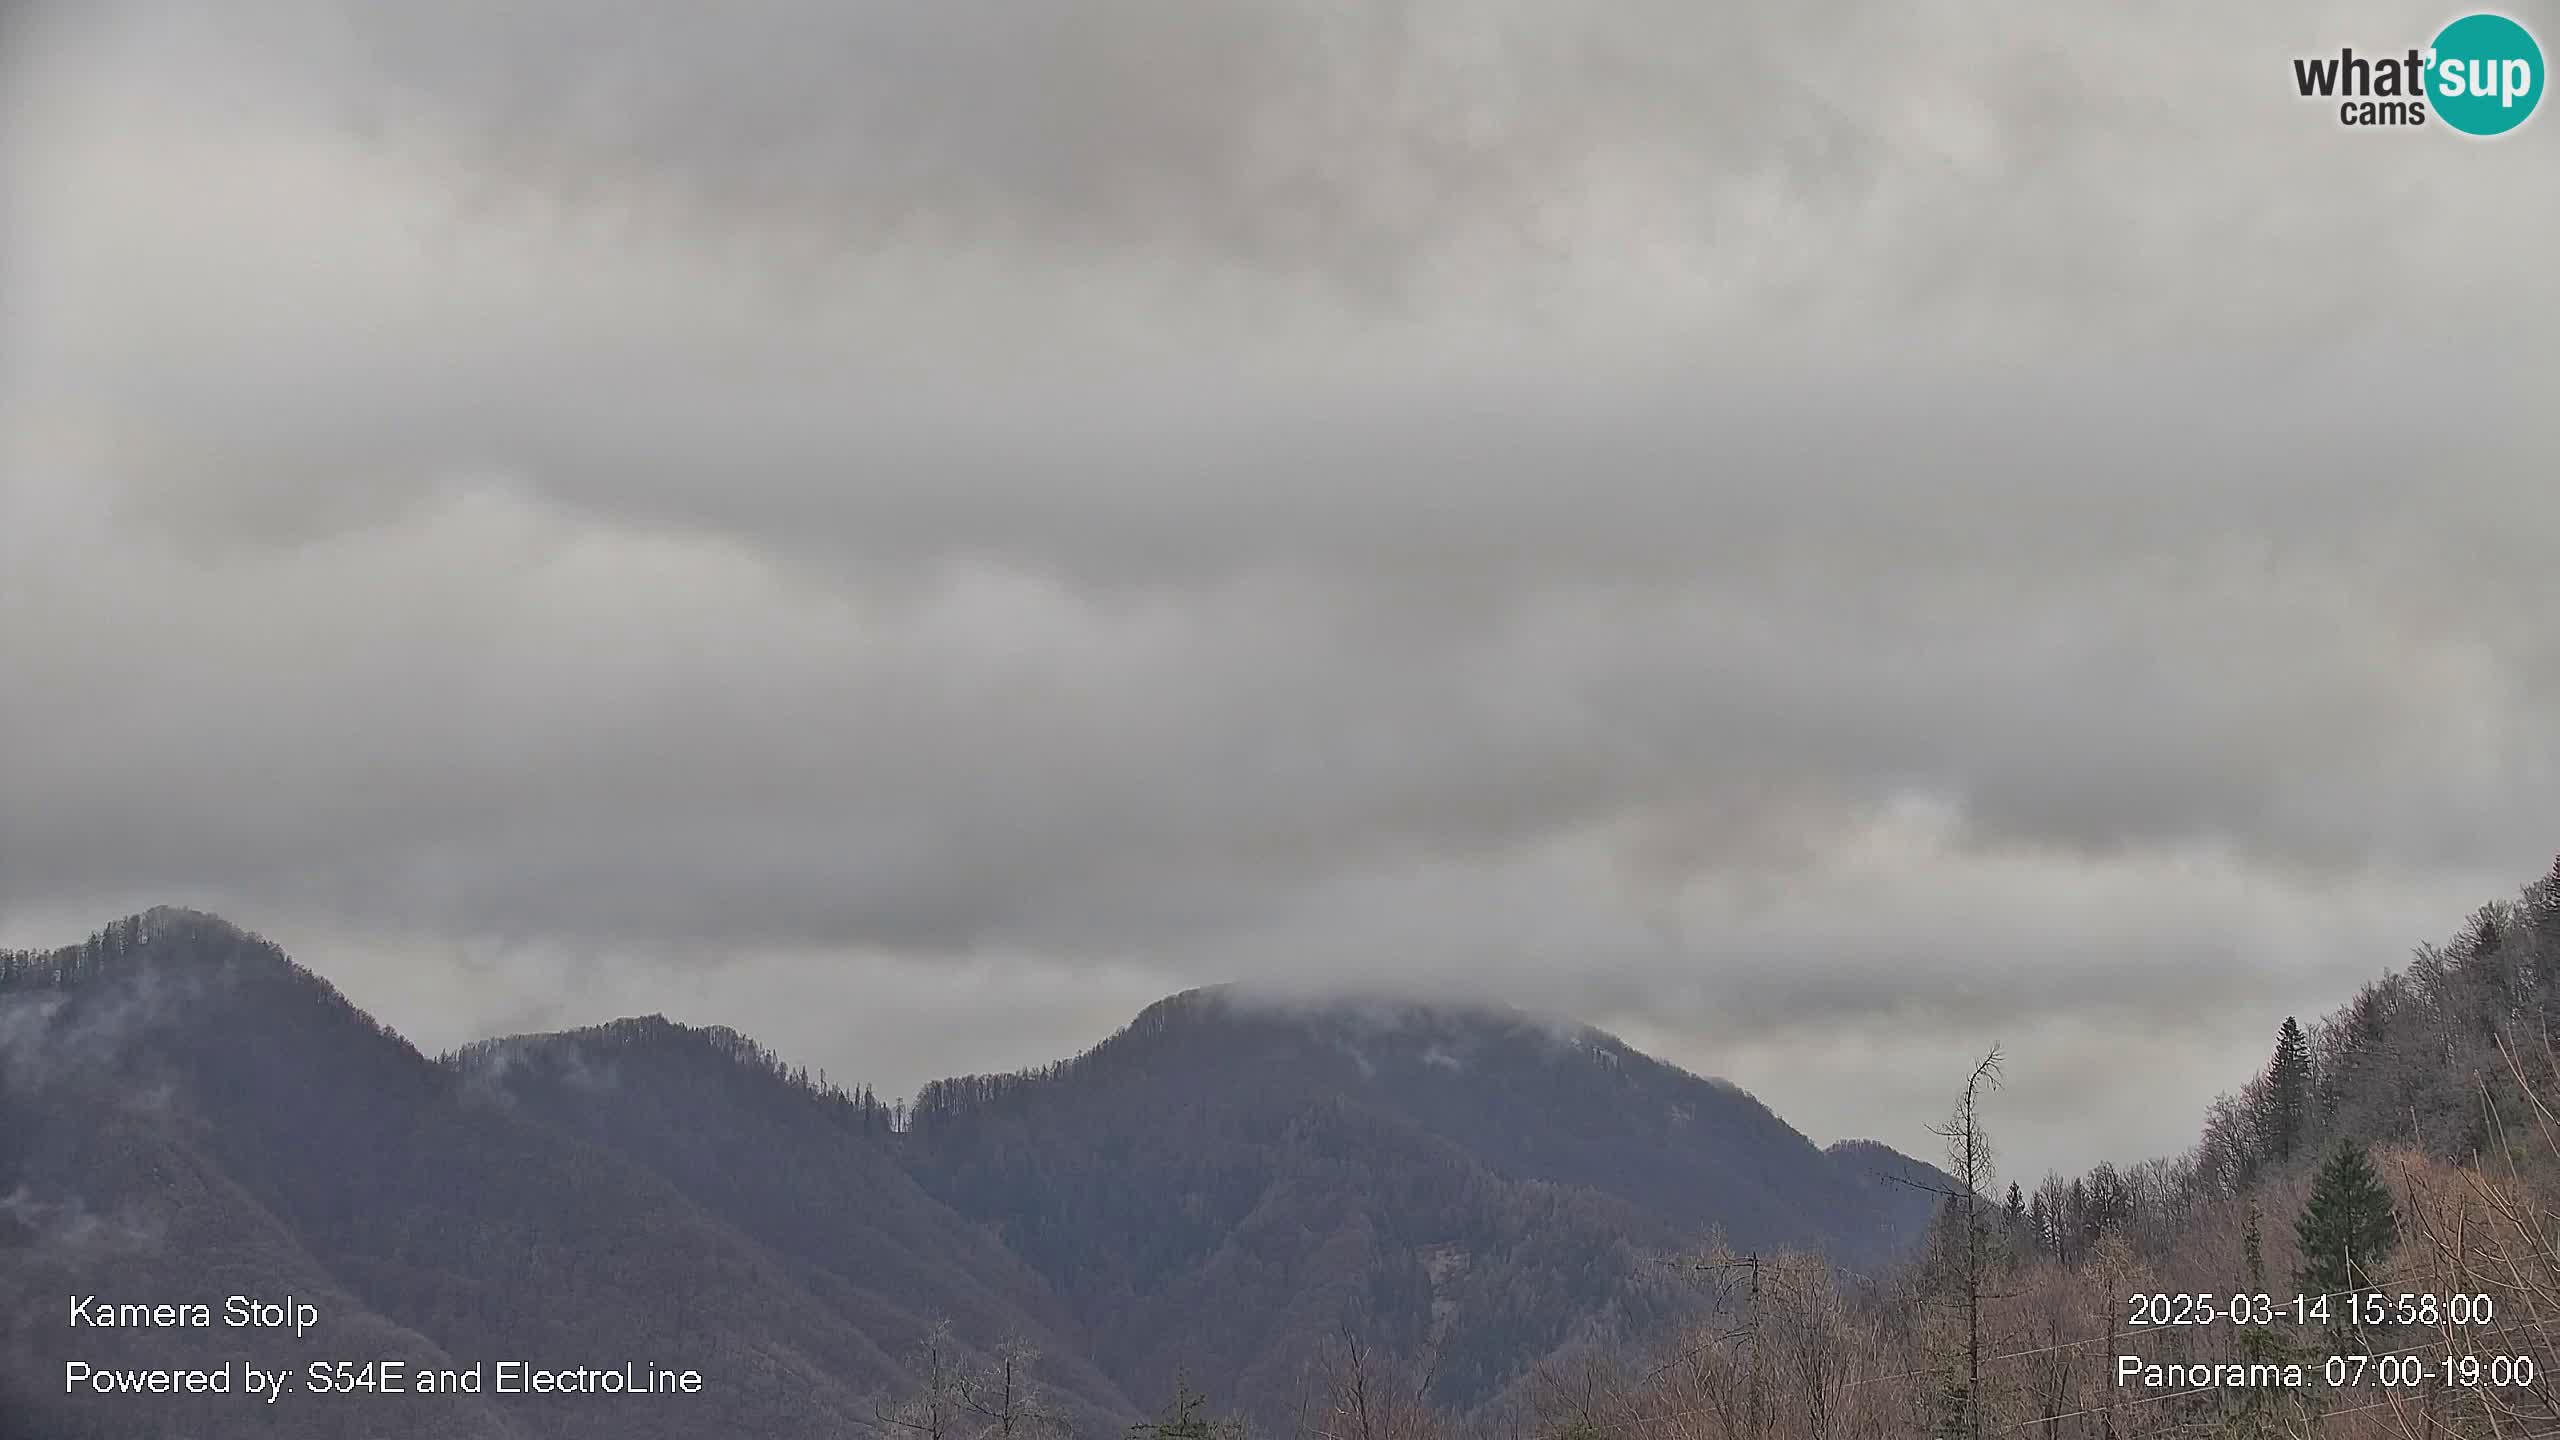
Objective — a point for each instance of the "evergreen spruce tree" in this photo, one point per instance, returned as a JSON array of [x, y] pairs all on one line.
[[2288, 1094], [2348, 1228]]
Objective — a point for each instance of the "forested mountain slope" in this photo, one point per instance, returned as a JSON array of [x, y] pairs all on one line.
[[187, 1114], [1220, 1193], [807, 1171], [2389, 1181], [2436, 1056], [1228, 1180], [2426, 1055], [1527, 1099]]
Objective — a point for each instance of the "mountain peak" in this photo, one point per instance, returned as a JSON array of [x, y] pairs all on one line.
[[165, 940], [1533, 1099], [1381, 1012], [165, 919]]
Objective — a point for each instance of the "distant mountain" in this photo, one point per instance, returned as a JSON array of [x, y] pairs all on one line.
[[1901, 1193], [1228, 1180], [809, 1175], [187, 1114], [1526, 1098], [190, 1115]]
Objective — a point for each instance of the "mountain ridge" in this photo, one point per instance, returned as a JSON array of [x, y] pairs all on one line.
[[1615, 1110], [1215, 1188]]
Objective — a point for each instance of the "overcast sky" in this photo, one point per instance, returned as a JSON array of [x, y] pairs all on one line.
[[1821, 537]]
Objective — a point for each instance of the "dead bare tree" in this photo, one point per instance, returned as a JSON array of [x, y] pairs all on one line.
[[1367, 1397], [1007, 1396], [1971, 1165], [940, 1410]]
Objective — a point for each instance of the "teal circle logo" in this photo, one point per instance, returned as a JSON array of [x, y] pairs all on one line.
[[2484, 74]]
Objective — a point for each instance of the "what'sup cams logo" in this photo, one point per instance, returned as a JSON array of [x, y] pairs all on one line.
[[2481, 75]]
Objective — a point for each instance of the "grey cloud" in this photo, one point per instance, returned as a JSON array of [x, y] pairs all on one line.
[[25, 1046], [68, 1230], [638, 737], [1968, 152], [1352, 140], [40, 1044]]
